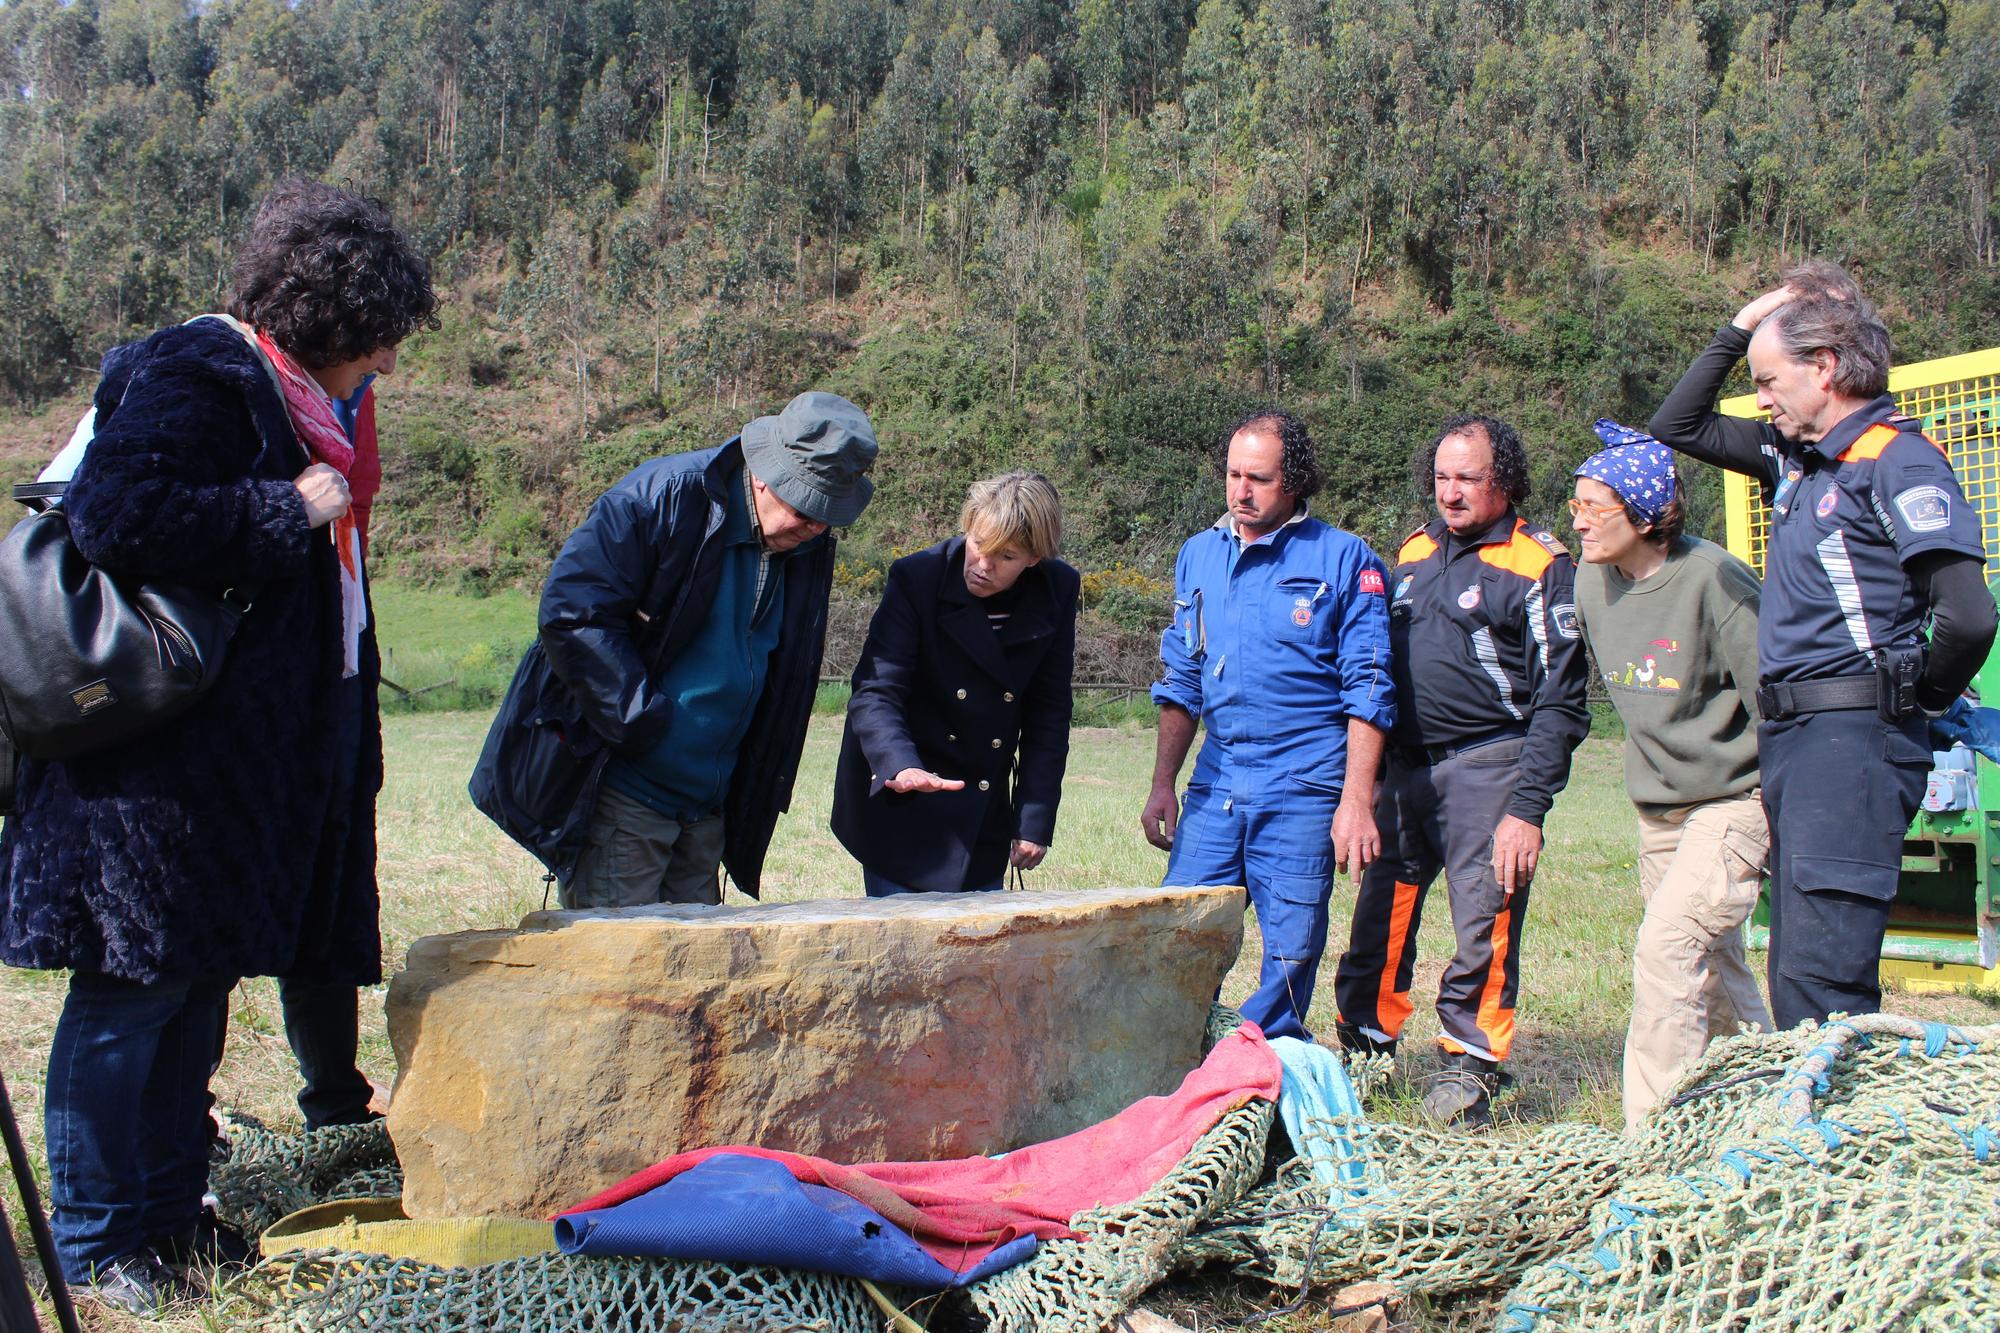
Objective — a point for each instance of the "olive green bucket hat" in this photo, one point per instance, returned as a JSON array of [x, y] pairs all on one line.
[[815, 455]]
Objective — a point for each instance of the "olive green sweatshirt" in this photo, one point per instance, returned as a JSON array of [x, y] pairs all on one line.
[[1678, 651]]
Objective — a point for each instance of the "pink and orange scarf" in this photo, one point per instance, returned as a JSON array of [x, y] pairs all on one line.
[[311, 411]]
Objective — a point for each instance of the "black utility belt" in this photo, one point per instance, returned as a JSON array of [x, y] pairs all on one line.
[[1891, 691], [1437, 754]]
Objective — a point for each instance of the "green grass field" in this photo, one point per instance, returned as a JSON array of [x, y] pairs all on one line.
[[445, 868]]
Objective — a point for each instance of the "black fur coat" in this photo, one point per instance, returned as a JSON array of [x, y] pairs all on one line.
[[238, 840]]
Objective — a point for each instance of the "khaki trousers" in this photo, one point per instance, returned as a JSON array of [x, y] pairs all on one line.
[[1699, 867]]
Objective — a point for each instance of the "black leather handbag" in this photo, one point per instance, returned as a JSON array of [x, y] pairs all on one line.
[[90, 660]]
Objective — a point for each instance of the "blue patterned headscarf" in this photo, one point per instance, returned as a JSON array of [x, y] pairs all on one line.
[[1635, 465]]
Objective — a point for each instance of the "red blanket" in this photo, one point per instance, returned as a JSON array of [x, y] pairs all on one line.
[[960, 1211]]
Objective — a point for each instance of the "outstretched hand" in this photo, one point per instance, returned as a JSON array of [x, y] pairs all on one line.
[[922, 779]]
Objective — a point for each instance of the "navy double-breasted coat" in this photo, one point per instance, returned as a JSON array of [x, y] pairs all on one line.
[[938, 687]]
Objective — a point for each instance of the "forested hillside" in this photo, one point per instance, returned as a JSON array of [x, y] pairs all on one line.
[[1077, 236]]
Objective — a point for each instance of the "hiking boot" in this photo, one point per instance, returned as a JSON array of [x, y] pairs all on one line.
[[1356, 1042], [208, 1249], [1463, 1090], [137, 1283]]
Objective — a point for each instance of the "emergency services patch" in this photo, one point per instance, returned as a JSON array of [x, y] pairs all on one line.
[[1403, 588], [1828, 502], [1302, 611], [1371, 581], [1469, 598], [1564, 614], [1549, 543], [1925, 508]]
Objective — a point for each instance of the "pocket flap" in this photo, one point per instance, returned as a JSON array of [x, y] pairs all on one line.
[[1837, 874]]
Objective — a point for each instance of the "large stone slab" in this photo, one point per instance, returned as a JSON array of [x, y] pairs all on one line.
[[539, 1065]]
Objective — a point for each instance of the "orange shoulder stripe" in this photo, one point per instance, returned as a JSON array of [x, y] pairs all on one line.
[[1520, 554], [1418, 547], [1870, 446], [1874, 440]]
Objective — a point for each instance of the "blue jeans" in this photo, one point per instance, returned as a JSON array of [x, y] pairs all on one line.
[[1278, 844], [878, 887], [126, 1117]]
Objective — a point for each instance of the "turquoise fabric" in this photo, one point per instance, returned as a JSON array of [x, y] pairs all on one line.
[[1316, 1088], [714, 684]]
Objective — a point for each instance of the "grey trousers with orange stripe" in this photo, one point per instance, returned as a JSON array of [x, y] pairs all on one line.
[[1432, 817]]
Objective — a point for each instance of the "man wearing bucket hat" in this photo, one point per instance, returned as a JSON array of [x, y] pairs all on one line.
[[1672, 622], [653, 731]]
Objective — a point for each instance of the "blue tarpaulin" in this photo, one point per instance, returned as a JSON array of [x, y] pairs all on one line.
[[738, 1209]]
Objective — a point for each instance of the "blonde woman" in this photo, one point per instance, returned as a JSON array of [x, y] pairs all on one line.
[[958, 730]]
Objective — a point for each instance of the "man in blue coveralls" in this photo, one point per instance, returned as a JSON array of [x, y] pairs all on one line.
[[1280, 633]]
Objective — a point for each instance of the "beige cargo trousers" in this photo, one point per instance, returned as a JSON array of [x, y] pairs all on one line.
[[1699, 868]]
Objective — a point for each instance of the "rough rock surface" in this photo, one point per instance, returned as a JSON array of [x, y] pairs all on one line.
[[540, 1065]]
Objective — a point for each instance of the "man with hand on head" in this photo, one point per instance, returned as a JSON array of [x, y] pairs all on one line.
[[1490, 683], [1280, 646], [654, 730], [1871, 540]]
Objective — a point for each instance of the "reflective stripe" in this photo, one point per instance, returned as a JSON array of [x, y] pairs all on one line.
[[1489, 662], [1457, 1047], [1537, 625], [1846, 589]]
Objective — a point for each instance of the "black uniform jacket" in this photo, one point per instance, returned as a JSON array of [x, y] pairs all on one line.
[[1484, 641], [939, 688]]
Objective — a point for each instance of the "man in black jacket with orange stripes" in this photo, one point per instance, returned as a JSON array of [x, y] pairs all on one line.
[[1490, 680]]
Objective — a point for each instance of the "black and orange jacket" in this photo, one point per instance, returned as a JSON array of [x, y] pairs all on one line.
[[1850, 514], [1485, 641]]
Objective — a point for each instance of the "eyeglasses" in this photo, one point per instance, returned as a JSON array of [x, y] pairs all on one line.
[[1598, 513]]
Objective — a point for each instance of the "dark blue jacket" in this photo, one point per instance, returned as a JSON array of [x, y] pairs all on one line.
[[239, 839], [938, 688], [626, 596]]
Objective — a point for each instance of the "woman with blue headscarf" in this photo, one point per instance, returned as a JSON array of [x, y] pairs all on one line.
[[1672, 623]]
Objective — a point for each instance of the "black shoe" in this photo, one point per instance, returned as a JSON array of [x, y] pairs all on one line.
[[208, 1248], [1356, 1042], [137, 1283], [1463, 1090]]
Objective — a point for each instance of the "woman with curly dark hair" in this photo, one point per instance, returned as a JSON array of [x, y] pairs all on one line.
[[239, 839]]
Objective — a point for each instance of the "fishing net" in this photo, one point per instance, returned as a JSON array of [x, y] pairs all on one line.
[[1079, 1285], [270, 1175], [1855, 1186], [1833, 1179]]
